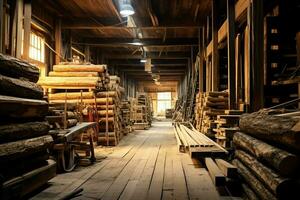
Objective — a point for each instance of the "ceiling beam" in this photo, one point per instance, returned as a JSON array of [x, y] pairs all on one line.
[[152, 55], [121, 42]]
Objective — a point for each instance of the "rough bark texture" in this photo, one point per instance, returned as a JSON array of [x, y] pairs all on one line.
[[68, 82], [285, 162], [14, 132], [24, 148], [253, 182], [249, 192], [20, 88], [284, 131], [73, 74], [100, 101], [279, 185], [22, 108], [13, 67]]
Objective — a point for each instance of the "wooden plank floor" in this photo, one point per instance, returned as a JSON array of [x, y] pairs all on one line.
[[145, 165]]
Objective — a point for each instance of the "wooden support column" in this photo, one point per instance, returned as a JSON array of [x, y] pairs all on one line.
[[70, 55], [215, 51], [201, 66], [257, 56], [298, 47], [58, 41], [27, 28], [1, 25], [19, 28], [238, 64], [203, 54], [231, 53], [87, 53]]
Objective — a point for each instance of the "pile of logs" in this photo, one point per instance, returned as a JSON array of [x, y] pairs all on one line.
[[267, 155], [196, 143], [208, 106], [126, 120], [143, 114], [110, 119], [24, 138]]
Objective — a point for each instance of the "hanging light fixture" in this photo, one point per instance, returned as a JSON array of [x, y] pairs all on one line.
[[126, 8]]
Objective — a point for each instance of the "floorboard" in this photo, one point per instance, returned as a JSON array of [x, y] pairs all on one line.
[[145, 165]]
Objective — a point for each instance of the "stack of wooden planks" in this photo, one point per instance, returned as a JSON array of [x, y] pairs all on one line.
[[24, 138], [110, 119], [208, 106], [143, 113], [196, 143], [126, 120], [267, 155], [226, 126]]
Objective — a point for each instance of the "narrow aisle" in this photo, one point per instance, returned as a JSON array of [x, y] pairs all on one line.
[[146, 165]]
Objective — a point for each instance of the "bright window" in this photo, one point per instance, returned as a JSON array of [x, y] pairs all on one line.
[[163, 102], [36, 48]]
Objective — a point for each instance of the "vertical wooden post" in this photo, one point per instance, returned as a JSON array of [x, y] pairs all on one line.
[[257, 56], [298, 47], [58, 41], [215, 51], [238, 75], [19, 28], [70, 55], [27, 28], [87, 53], [231, 53], [204, 57], [1, 25], [201, 66]]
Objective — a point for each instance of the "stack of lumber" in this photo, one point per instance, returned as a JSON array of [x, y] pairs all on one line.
[[226, 126], [267, 155], [24, 138], [196, 143], [169, 113], [208, 106], [110, 118], [142, 111], [126, 121]]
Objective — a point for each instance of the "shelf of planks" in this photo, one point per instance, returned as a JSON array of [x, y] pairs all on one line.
[[197, 144], [110, 119], [267, 154], [142, 111], [24, 133], [226, 127], [72, 83], [208, 106], [126, 120]]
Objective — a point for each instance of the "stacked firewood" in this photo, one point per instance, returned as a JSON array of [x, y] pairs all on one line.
[[24, 138], [267, 155], [208, 106], [125, 113], [110, 120]]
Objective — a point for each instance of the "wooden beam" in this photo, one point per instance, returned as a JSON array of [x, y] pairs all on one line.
[[152, 55], [87, 53], [298, 47], [58, 40], [201, 59], [257, 55], [19, 27], [231, 54], [238, 69], [215, 51], [153, 17], [27, 28], [1, 25]]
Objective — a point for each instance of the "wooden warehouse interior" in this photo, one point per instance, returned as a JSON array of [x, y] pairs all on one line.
[[149, 99]]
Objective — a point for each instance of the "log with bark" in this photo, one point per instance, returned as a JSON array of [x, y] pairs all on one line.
[[107, 94], [284, 131], [100, 101], [79, 68], [14, 132], [249, 192], [279, 185], [283, 161], [102, 113], [69, 82], [71, 96], [24, 148], [13, 67], [20, 88], [256, 185], [15, 107], [74, 74]]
